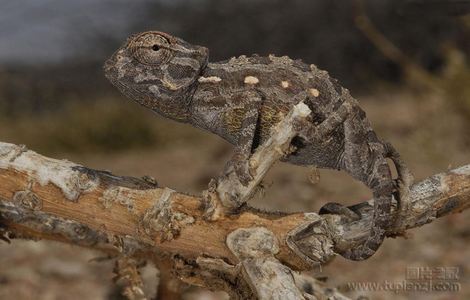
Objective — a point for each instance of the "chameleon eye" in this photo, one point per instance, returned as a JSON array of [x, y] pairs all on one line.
[[151, 49]]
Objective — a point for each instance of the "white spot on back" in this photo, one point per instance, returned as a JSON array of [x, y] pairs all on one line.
[[210, 79], [251, 80], [314, 92], [285, 84]]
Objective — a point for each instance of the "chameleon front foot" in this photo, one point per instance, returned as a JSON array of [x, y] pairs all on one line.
[[242, 170]]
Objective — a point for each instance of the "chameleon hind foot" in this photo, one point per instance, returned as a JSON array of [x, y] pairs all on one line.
[[339, 209]]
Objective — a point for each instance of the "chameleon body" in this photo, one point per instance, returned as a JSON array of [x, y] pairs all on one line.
[[241, 99]]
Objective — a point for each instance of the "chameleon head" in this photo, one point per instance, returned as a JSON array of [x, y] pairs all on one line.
[[154, 68]]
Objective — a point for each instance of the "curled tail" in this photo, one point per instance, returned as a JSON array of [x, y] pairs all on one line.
[[405, 177], [381, 183]]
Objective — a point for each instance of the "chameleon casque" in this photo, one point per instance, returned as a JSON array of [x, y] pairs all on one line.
[[242, 98]]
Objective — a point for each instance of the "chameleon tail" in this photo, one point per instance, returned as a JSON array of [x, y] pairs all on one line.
[[382, 186], [404, 174]]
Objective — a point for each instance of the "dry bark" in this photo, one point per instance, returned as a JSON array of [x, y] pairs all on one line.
[[248, 253]]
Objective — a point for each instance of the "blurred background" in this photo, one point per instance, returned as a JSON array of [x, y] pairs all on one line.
[[406, 61]]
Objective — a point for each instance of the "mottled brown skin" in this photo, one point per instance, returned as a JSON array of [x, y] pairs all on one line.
[[242, 98]]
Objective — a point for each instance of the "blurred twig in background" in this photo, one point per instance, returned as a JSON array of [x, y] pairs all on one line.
[[451, 84], [413, 71]]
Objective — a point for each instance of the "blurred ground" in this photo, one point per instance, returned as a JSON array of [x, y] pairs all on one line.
[[55, 100]]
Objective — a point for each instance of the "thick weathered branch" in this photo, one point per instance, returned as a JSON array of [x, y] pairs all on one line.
[[58, 200]]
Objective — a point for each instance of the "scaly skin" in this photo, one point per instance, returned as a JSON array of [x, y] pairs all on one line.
[[241, 99]]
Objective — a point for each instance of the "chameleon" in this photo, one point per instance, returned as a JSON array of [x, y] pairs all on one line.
[[241, 99]]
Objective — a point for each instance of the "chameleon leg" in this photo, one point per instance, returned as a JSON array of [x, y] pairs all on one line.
[[322, 130], [379, 180], [243, 150], [335, 119], [313, 133], [363, 157]]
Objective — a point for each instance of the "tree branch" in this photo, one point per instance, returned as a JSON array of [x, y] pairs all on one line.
[[44, 198]]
